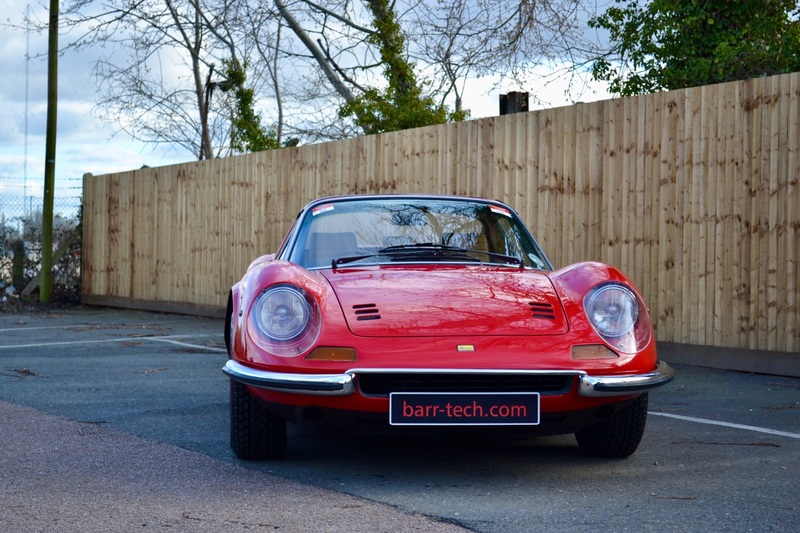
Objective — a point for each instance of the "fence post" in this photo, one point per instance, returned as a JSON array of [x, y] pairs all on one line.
[[18, 264]]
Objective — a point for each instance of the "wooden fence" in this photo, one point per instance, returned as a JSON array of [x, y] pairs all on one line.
[[694, 193]]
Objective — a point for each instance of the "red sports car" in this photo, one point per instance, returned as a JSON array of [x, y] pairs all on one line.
[[411, 310]]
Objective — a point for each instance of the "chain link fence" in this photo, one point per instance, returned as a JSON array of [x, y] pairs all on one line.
[[21, 247]]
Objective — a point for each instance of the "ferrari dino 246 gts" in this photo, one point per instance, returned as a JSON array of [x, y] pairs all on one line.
[[441, 311]]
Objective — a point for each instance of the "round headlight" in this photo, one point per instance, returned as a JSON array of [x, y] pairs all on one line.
[[282, 313], [612, 310]]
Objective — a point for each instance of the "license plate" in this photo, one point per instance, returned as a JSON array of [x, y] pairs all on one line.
[[464, 409]]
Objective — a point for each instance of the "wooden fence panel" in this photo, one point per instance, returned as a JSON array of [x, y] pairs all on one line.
[[694, 193]]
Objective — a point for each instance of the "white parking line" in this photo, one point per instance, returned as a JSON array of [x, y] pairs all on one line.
[[16, 329], [729, 425], [21, 328], [188, 345], [171, 339]]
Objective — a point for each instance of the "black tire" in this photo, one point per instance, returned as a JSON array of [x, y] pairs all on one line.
[[256, 433], [228, 330], [620, 435]]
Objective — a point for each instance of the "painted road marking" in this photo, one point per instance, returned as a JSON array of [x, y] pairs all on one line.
[[92, 327], [171, 339], [729, 425]]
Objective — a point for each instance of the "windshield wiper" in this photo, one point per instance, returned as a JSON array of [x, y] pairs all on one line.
[[427, 250]]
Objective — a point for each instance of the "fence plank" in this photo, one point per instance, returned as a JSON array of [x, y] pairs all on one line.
[[791, 308]]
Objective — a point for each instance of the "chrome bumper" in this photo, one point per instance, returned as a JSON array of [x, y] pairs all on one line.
[[622, 385], [344, 384], [316, 384]]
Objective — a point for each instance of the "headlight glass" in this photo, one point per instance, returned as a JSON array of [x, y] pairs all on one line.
[[284, 320], [619, 316], [612, 310], [282, 313]]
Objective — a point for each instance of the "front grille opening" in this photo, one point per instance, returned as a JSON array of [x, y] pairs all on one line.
[[542, 310], [381, 384]]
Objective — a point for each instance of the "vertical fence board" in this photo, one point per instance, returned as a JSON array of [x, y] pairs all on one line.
[[773, 212], [728, 245], [613, 184], [780, 168], [792, 236], [532, 174], [707, 173], [667, 223], [693, 284]]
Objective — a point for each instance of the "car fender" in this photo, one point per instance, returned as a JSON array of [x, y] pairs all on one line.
[[277, 272], [573, 282]]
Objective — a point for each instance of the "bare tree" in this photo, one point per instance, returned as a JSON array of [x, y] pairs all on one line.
[[157, 80], [162, 78], [462, 39], [450, 41]]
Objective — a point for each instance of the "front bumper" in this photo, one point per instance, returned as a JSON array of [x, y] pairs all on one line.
[[344, 384]]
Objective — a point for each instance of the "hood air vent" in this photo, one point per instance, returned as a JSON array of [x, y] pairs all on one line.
[[366, 312], [542, 310]]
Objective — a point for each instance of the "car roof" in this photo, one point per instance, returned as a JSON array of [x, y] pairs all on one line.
[[366, 197]]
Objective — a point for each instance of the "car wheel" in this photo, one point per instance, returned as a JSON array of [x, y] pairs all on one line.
[[229, 326], [619, 436], [256, 433]]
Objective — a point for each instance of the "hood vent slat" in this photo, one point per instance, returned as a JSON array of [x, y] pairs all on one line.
[[366, 312], [542, 310]]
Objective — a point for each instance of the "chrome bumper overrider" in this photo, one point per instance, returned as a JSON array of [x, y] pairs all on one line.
[[621, 385], [317, 384], [344, 384]]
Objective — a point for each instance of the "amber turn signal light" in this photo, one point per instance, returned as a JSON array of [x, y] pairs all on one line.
[[592, 351], [332, 353]]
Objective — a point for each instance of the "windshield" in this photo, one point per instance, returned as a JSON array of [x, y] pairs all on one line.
[[392, 230]]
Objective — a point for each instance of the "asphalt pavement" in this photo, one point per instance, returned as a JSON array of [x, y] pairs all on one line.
[[116, 420], [73, 472]]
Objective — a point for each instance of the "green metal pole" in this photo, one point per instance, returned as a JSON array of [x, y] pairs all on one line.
[[45, 286]]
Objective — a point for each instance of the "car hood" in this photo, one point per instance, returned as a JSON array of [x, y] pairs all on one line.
[[441, 301]]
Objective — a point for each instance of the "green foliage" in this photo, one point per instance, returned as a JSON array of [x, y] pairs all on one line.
[[247, 134], [402, 104], [673, 44]]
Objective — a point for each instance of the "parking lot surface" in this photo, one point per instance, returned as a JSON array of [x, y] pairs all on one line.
[[118, 420]]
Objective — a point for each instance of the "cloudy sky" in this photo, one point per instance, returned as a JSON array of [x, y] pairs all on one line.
[[86, 144]]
